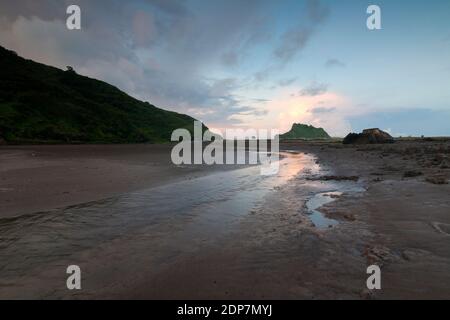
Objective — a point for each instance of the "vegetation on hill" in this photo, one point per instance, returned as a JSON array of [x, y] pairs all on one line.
[[303, 131], [39, 103]]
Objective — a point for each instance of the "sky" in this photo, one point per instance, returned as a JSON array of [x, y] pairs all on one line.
[[262, 64]]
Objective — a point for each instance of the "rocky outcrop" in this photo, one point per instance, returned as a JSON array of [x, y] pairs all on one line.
[[369, 136]]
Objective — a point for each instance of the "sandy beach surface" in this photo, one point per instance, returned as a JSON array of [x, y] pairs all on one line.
[[404, 214], [40, 178], [140, 227]]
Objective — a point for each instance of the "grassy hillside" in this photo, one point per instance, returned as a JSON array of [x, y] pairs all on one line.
[[39, 103], [303, 131]]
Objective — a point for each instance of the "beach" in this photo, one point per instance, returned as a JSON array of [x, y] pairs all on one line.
[[405, 210], [140, 227], [45, 177]]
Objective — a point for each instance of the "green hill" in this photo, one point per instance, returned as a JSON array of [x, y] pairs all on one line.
[[39, 103], [303, 131]]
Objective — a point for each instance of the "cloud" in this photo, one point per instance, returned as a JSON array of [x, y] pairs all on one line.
[[262, 75], [322, 110], [261, 100], [314, 89], [174, 7], [50, 10], [144, 29], [317, 13], [37, 30], [230, 59], [295, 39], [292, 42], [286, 82], [251, 111], [330, 63], [46, 10]]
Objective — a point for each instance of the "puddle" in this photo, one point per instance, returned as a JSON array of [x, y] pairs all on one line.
[[318, 218]]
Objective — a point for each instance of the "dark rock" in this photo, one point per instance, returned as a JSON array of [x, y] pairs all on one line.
[[412, 174], [351, 138], [368, 136], [438, 159], [445, 165], [437, 180]]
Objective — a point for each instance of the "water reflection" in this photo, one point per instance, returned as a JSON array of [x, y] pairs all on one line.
[[318, 218]]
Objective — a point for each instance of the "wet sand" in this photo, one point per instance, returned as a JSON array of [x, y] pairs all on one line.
[[404, 214], [40, 178], [245, 244]]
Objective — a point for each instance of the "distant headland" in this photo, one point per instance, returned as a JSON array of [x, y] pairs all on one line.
[[307, 132]]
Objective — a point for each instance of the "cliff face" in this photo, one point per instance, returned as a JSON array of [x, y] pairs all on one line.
[[303, 131], [43, 104]]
